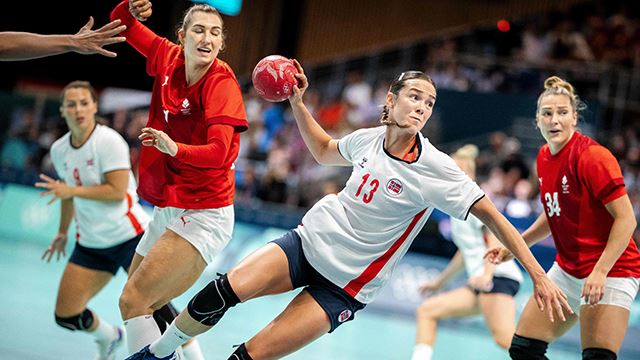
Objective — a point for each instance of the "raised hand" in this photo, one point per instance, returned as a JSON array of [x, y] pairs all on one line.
[[88, 41], [140, 9], [301, 87]]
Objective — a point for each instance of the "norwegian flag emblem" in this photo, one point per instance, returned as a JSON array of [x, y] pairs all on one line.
[[90, 162], [394, 187]]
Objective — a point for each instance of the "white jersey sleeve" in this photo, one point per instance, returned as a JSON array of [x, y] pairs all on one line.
[[355, 140], [113, 152]]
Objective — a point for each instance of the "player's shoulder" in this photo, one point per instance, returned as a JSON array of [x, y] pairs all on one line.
[[105, 134], [63, 142]]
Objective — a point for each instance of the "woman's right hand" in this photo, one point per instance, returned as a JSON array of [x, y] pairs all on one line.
[[430, 286], [301, 87], [140, 9], [498, 254], [57, 246]]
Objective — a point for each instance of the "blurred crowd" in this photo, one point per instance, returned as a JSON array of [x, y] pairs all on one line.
[[275, 166]]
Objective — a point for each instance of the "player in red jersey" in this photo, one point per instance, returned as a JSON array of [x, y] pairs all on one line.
[[589, 215], [186, 168]]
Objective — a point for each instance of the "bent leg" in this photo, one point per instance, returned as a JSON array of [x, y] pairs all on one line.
[[603, 326], [300, 323], [535, 331], [455, 303], [499, 312]]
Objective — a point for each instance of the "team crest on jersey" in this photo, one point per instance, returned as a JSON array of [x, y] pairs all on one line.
[[565, 185], [394, 187], [344, 315], [185, 107]]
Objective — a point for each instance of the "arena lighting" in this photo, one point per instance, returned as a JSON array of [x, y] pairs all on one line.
[[503, 25], [226, 7]]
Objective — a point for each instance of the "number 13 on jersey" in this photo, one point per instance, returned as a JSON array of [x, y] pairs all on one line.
[[372, 188]]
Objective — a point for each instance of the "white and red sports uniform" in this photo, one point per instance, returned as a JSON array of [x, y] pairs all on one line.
[[575, 185], [356, 238], [469, 238], [99, 224], [205, 120]]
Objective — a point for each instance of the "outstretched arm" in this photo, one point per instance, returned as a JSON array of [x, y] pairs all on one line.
[[26, 46], [548, 296], [322, 146]]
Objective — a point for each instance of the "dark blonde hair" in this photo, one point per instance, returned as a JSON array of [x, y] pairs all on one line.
[[187, 18], [554, 85], [79, 84], [397, 85], [468, 153]]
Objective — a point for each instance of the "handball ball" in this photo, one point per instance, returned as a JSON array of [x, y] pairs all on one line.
[[274, 78]]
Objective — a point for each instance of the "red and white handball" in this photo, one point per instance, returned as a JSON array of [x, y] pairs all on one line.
[[274, 78]]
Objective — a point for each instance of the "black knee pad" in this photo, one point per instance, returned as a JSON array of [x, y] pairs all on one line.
[[524, 348], [598, 354], [164, 316], [240, 354], [210, 304], [82, 321]]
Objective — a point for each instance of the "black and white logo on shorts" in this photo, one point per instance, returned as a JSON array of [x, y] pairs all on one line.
[[344, 316]]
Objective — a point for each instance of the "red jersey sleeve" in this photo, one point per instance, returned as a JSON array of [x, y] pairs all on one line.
[[600, 172], [222, 102], [138, 35], [211, 155]]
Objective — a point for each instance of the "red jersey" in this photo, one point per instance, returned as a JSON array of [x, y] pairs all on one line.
[[187, 114], [575, 186]]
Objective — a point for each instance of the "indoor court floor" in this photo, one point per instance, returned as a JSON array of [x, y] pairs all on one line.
[[28, 330]]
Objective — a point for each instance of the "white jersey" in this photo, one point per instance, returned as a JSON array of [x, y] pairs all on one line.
[[357, 237], [469, 238], [100, 224]]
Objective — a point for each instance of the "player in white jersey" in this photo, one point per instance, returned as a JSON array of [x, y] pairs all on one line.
[[97, 189], [490, 289], [348, 244]]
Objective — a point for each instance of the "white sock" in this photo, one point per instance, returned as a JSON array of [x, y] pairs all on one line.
[[192, 351], [104, 332], [141, 331], [422, 352], [170, 341]]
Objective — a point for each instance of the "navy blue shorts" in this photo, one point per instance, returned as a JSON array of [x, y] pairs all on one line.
[[337, 303], [109, 259], [501, 285]]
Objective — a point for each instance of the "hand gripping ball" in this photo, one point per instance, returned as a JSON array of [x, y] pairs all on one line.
[[274, 78]]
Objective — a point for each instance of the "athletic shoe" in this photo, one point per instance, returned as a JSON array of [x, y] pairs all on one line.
[[107, 349], [145, 354]]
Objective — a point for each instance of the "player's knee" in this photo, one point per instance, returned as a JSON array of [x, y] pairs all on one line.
[[425, 311], [209, 305], [82, 321], [130, 299], [524, 348], [240, 354], [598, 354], [503, 339]]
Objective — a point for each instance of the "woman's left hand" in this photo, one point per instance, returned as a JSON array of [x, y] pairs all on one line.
[[158, 139], [593, 288], [57, 188]]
